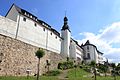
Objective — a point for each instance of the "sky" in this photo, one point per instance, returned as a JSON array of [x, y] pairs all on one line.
[[94, 20]]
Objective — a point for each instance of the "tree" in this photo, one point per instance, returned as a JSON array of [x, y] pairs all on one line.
[[93, 64], [118, 69], [39, 53], [103, 68], [113, 71]]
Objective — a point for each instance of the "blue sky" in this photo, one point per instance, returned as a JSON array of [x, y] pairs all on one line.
[[96, 20]]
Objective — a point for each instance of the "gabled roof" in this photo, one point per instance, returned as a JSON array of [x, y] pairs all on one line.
[[87, 42], [34, 18]]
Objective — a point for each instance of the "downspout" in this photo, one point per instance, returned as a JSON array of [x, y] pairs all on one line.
[[17, 27]]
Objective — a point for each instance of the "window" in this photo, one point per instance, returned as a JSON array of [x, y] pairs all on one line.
[[43, 29], [51, 33], [56, 37], [60, 39], [35, 24], [24, 19], [88, 55], [87, 47]]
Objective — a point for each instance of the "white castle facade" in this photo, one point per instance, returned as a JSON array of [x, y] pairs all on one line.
[[29, 29]]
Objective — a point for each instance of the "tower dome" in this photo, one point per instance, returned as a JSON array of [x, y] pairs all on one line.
[[65, 26]]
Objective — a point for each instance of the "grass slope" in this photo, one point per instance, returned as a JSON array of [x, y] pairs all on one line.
[[72, 74]]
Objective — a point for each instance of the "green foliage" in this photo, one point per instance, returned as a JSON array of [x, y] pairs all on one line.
[[93, 63], [87, 68], [53, 73], [113, 65], [40, 53], [65, 65], [103, 68]]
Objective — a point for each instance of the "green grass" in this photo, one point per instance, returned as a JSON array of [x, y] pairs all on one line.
[[77, 73], [30, 78], [80, 75], [83, 75]]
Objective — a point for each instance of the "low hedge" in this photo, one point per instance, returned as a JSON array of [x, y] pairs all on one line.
[[53, 73], [65, 65]]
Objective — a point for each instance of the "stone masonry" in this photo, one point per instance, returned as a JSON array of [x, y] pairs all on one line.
[[19, 56]]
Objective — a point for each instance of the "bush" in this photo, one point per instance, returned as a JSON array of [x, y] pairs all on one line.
[[53, 73], [65, 65]]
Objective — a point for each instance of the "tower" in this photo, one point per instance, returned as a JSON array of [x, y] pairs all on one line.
[[65, 34]]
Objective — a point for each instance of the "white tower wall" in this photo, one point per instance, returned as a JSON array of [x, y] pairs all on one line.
[[65, 34]]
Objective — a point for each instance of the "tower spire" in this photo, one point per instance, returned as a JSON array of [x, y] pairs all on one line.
[[65, 26]]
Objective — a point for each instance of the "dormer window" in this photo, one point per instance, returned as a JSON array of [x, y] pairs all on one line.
[[28, 15], [24, 19], [31, 16], [34, 18], [25, 13], [42, 23]]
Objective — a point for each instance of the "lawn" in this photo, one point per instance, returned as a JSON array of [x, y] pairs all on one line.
[[80, 74], [30, 78], [72, 74]]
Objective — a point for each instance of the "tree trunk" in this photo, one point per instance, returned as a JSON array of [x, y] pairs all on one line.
[[95, 72], [105, 74], [48, 68], [38, 69]]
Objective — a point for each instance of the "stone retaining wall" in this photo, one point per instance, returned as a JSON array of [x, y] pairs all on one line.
[[19, 56]]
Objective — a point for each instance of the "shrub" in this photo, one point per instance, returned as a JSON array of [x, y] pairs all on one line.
[[53, 73], [65, 65]]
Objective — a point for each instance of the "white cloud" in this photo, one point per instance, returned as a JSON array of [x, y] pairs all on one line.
[[111, 33], [104, 40]]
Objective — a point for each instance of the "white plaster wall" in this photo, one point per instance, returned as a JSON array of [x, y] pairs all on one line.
[[79, 52], [13, 14], [92, 51], [79, 56], [54, 42], [30, 33], [65, 42], [35, 35], [96, 56], [7, 27], [100, 58], [72, 50]]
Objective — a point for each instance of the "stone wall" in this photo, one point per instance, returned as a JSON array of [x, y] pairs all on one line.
[[19, 56]]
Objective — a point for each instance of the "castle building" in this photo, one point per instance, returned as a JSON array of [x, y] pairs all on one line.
[[23, 26]]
